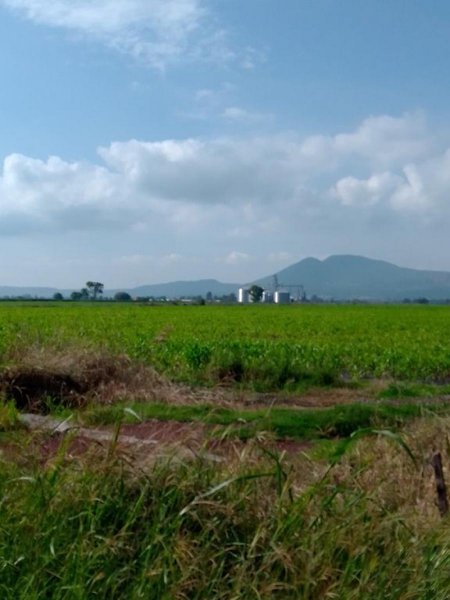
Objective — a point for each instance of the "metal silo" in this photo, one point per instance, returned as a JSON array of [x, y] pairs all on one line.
[[243, 296], [267, 297], [282, 297]]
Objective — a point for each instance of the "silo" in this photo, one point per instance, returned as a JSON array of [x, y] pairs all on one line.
[[267, 297], [282, 297], [243, 296]]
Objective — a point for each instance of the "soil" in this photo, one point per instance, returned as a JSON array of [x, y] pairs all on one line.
[[48, 447], [142, 442], [165, 432]]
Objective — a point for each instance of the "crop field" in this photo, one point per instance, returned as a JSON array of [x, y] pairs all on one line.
[[264, 347], [223, 452]]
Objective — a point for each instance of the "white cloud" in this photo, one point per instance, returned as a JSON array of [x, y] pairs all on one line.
[[218, 171], [233, 201], [236, 113], [158, 32], [208, 103], [235, 257], [366, 192], [54, 193], [241, 187], [381, 142], [421, 188], [251, 57], [241, 115], [387, 140], [426, 186]]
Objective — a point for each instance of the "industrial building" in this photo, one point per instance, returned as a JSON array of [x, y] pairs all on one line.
[[243, 296], [282, 297], [268, 297]]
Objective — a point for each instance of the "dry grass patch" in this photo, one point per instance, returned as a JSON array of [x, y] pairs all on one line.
[[39, 379]]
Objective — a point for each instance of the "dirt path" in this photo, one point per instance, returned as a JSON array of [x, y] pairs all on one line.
[[149, 440], [156, 437]]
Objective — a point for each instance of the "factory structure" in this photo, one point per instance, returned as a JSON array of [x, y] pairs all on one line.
[[279, 294]]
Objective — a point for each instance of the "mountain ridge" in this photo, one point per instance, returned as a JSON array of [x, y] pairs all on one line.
[[341, 276], [349, 276]]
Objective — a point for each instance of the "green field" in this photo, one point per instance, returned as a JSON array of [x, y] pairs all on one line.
[[279, 499], [264, 347]]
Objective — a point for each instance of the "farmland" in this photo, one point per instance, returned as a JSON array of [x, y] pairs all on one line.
[[264, 347], [223, 451]]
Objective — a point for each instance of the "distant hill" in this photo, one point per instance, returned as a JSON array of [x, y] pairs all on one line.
[[180, 289], [356, 277], [175, 289], [33, 292], [343, 277]]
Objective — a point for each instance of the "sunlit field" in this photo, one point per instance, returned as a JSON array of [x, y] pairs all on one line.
[[264, 347], [222, 452]]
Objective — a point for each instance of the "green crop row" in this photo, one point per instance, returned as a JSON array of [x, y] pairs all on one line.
[[266, 347]]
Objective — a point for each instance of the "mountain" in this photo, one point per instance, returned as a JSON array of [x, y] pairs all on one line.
[[356, 277], [174, 289], [33, 292], [343, 277], [180, 289]]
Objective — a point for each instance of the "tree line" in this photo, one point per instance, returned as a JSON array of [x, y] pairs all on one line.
[[92, 291]]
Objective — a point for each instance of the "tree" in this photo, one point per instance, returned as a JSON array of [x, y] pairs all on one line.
[[75, 296], [122, 297], [58, 296], [256, 293], [94, 288]]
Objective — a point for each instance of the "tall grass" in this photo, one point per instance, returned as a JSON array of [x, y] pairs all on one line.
[[261, 528], [303, 424]]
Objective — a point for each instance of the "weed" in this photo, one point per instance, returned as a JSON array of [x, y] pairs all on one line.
[[301, 424], [364, 526], [9, 416]]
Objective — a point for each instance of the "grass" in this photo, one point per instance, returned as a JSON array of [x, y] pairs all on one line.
[[353, 518], [302, 424], [413, 390], [9, 416], [266, 348], [365, 528]]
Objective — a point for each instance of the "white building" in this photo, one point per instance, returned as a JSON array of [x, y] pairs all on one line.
[[243, 296], [267, 297], [282, 297]]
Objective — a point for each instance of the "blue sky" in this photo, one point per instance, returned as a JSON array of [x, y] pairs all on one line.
[[149, 140]]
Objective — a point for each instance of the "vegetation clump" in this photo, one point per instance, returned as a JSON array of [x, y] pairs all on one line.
[[364, 526], [42, 381]]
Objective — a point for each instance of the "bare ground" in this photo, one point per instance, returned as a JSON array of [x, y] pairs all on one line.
[[142, 443]]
